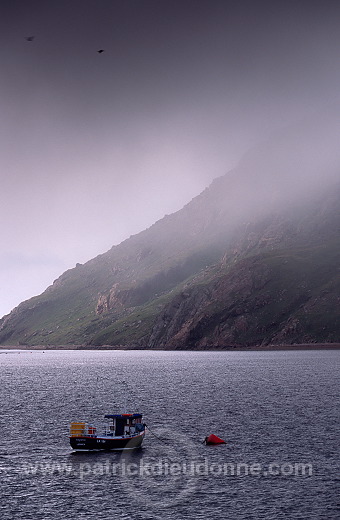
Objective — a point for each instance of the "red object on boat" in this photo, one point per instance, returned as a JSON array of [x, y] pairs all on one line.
[[213, 439]]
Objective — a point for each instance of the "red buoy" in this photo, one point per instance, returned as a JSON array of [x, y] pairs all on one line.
[[213, 439]]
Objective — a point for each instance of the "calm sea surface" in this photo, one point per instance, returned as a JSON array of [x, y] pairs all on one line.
[[277, 412]]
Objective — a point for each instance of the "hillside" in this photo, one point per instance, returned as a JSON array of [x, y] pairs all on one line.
[[251, 260], [196, 280], [278, 282]]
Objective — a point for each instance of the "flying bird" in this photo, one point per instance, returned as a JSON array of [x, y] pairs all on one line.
[[100, 51], [29, 38]]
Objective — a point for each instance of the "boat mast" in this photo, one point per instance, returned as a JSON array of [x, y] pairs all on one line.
[[125, 396]]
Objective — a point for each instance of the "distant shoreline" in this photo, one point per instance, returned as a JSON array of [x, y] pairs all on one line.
[[302, 346]]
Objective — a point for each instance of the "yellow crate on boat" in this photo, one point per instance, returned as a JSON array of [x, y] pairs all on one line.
[[77, 429]]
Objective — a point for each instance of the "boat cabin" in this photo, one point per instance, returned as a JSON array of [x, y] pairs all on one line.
[[124, 424]]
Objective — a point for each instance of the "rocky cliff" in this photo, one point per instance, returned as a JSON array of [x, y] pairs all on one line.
[[277, 282]]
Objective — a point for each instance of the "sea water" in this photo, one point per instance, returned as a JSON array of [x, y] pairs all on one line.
[[276, 410]]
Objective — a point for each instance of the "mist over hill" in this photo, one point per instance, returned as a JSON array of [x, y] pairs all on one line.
[[254, 259]]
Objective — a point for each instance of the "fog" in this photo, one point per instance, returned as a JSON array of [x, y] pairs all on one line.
[[96, 147]]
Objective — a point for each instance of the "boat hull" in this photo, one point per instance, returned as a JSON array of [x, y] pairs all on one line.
[[106, 443]]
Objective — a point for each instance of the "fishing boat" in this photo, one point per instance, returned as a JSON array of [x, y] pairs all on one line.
[[120, 432]]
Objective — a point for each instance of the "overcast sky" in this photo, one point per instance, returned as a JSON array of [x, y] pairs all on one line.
[[97, 146]]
